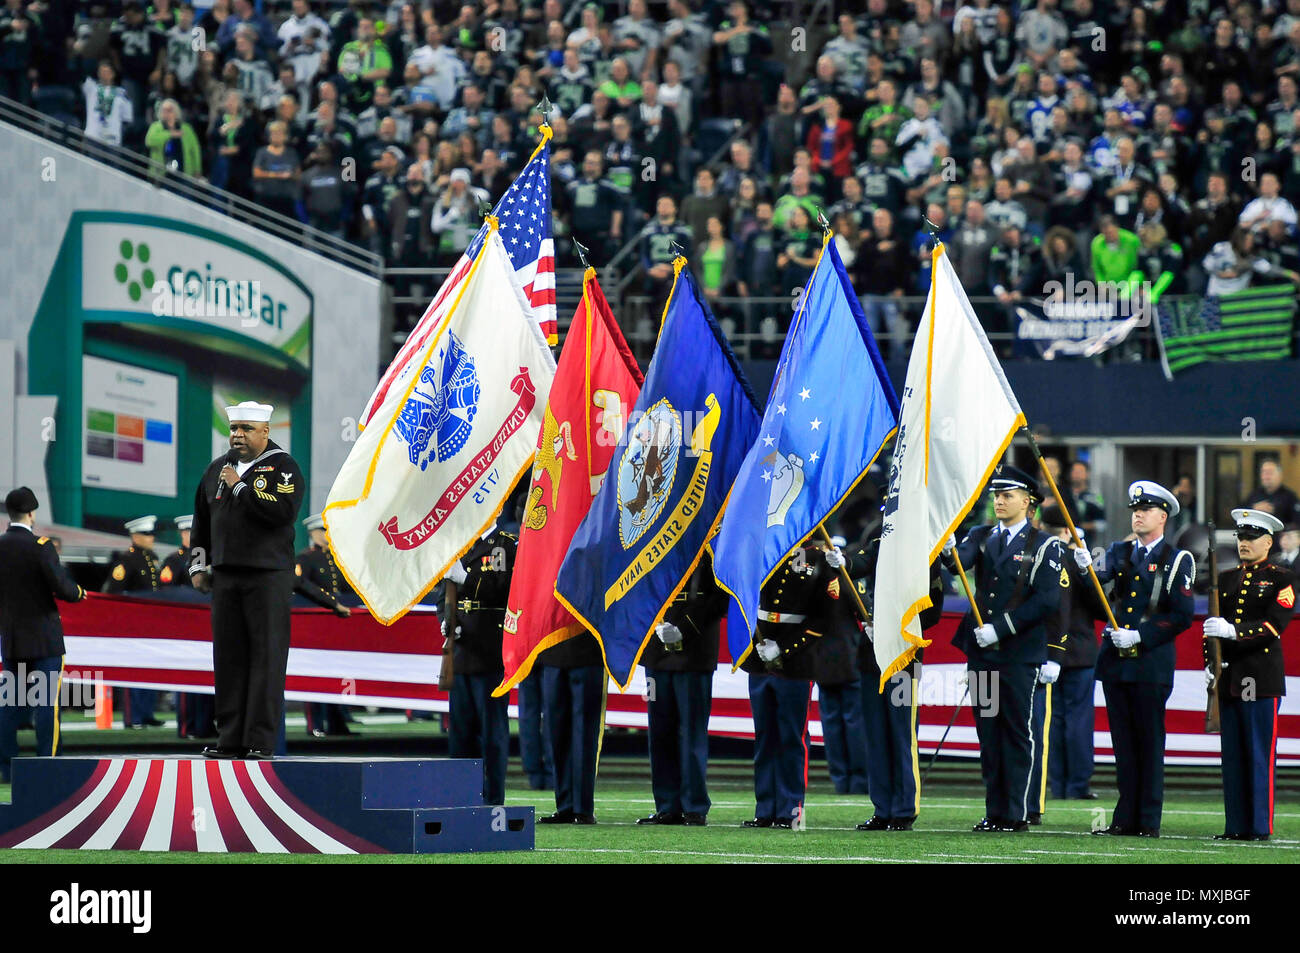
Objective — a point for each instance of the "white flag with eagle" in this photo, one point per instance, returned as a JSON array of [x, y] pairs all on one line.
[[437, 464], [958, 417]]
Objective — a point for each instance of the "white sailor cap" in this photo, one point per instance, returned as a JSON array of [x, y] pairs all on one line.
[[250, 410], [315, 521], [184, 522], [1257, 519], [1146, 493], [143, 524]]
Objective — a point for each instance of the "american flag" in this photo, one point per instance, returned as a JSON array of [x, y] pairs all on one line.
[[524, 220]]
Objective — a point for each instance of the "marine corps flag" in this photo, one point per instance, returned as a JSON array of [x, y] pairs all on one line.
[[433, 470], [958, 418], [671, 471], [818, 438], [596, 383]]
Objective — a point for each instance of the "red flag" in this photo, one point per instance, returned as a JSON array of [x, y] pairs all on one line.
[[596, 384]]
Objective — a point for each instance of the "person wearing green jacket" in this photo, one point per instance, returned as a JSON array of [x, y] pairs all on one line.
[[172, 143], [1114, 253], [364, 62]]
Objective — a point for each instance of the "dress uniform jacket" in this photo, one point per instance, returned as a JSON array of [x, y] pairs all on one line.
[[1078, 632], [698, 611], [481, 605], [317, 577], [136, 570], [31, 578], [789, 614], [175, 568], [1259, 601]]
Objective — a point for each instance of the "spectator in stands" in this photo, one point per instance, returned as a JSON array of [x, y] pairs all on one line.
[[830, 144], [971, 244], [782, 133], [441, 70], [798, 253], [1114, 252], [880, 276], [410, 223], [456, 216], [109, 113], [595, 208], [1160, 261], [324, 191], [172, 143], [18, 48], [677, 96], [232, 139], [1269, 207], [256, 81], [704, 203], [624, 91], [362, 63], [276, 170], [244, 13], [714, 263], [742, 47], [1272, 496], [662, 241]]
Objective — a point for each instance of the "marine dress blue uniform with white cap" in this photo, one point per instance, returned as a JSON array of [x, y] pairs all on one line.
[[1151, 596], [1257, 600]]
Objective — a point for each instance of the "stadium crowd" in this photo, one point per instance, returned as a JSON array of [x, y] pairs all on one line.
[[1106, 140]]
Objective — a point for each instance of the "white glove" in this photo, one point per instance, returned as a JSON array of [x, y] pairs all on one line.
[[1124, 638], [1049, 672], [1209, 678], [454, 635], [1219, 628], [768, 650], [949, 545], [985, 636], [668, 633], [456, 573], [835, 558], [1082, 558], [869, 631]]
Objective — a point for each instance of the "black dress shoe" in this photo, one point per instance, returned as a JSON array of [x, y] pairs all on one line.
[[1114, 830], [1229, 836], [1258, 837], [152, 723], [1089, 796], [559, 817], [666, 818], [691, 819], [875, 823], [216, 751], [985, 825], [259, 754], [784, 823], [584, 818], [757, 822], [1148, 832], [1036, 820], [901, 823], [1013, 827]]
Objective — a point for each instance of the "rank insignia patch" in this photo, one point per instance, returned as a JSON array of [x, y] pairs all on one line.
[[1286, 597], [119, 572], [259, 483]]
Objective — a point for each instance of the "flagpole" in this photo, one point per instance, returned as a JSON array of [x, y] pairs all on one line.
[[1074, 533], [844, 574], [965, 584]]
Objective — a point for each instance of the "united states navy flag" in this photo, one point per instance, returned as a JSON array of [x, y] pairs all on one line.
[[830, 413], [667, 484]]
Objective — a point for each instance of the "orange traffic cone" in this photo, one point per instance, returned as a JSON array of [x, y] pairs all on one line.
[[103, 707]]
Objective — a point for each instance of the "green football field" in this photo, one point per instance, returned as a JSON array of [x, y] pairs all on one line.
[[951, 802]]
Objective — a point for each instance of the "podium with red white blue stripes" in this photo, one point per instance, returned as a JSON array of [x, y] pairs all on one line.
[[290, 805]]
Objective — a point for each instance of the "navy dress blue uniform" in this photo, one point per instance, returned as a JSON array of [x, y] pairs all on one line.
[[1258, 600], [317, 577], [1071, 757], [31, 634], [136, 570], [1151, 592], [1018, 588], [780, 690], [480, 723], [679, 689], [573, 703]]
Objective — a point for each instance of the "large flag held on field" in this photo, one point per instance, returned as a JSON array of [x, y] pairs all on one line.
[[831, 411], [524, 214], [672, 469], [958, 418], [1255, 324], [596, 384], [430, 476]]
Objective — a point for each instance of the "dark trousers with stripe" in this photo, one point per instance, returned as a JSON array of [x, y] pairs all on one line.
[[679, 706], [1044, 700], [194, 715], [44, 714], [250, 653], [573, 698], [844, 736], [1002, 697], [1136, 712], [329, 718], [480, 728], [780, 708], [534, 742], [1074, 714], [1249, 744], [890, 722]]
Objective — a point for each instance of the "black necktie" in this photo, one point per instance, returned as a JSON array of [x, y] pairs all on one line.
[[1139, 558]]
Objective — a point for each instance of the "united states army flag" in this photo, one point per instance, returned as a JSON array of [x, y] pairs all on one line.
[[437, 464], [958, 417]]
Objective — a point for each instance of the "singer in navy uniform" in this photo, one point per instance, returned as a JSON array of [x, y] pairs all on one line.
[[679, 661], [137, 570], [478, 587], [1151, 597], [317, 577], [244, 513], [780, 668], [1257, 600], [194, 713], [31, 634], [1017, 585]]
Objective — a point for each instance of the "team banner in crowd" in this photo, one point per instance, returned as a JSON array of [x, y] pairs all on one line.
[[958, 418], [1067, 323], [524, 216], [831, 410], [421, 485], [596, 383], [1251, 325], [686, 437]]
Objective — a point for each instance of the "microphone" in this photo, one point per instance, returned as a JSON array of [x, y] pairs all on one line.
[[232, 457]]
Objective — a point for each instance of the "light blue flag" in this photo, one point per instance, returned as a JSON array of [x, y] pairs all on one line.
[[830, 413], [667, 484]]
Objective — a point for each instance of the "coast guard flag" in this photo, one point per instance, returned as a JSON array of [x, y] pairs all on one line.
[[430, 476], [596, 384], [831, 411], [668, 482], [524, 214], [958, 418]]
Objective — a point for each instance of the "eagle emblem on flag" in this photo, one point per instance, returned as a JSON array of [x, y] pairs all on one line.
[[438, 417], [646, 472]]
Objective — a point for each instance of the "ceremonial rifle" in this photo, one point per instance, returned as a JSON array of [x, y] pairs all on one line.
[[1214, 646]]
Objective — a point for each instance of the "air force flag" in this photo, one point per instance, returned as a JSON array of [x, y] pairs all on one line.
[[667, 483], [831, 411]]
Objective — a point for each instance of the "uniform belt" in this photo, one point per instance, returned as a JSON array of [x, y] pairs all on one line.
[[780, 617], [469, 605]]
